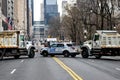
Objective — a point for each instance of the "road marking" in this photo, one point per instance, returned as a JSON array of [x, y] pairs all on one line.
[[117, 69], [22, 61], [70, 71], [13, 71]]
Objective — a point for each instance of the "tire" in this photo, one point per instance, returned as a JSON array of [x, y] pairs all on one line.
[[1, 55], [98, 56], [45, 54], [66, 54], [31, 54], [85, 53], [73, 55], [16, 56]]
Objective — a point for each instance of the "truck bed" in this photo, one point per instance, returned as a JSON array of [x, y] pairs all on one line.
[[9, 39]]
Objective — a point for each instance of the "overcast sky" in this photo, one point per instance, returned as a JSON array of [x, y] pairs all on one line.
[[37, 8]]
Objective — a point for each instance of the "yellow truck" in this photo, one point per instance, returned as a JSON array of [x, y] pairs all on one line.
[[104, 43], [12, 43]]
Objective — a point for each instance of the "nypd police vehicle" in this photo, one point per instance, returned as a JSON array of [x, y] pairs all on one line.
[[66, 49]]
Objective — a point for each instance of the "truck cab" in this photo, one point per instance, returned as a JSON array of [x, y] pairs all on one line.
[[104, 43]]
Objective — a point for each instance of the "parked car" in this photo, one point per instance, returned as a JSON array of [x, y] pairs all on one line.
[[66, 49]]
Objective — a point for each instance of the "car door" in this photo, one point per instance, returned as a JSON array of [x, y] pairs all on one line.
[[59, 49], [52, 49]]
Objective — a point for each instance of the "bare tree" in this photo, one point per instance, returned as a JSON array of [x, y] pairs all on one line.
[[54, 27], [90, 15], [98, 14], [72, 24]]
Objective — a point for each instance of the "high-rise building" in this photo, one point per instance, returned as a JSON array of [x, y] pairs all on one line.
[[72, 2], [1, 28], [10, 8], [67, 3], [16, 14], [15, 17], [64, 4], [29, 19], [50, 10], [42, 13], [32, 7], [20, 15], [3, 22]]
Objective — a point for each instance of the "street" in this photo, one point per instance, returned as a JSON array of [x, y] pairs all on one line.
[[59, 68]]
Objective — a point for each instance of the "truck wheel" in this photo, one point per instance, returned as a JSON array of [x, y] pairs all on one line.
[[73, 55], [85, 53], [98, 56], [1, 54], [32, 53], [45, 54], [66, 54], [16, 56]]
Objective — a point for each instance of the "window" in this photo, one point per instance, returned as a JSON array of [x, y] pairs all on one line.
[[41, 29], [54, 45], [69, 45], [60, 45], [96, 37]]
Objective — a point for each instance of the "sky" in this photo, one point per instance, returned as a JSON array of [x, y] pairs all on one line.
[[37, 8]]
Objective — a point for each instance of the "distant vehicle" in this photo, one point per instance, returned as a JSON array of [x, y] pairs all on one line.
[[66, 49], [13, 43], [104, 43], [50, 41]]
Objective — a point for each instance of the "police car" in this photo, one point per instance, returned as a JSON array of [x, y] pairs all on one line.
[[66, 49]]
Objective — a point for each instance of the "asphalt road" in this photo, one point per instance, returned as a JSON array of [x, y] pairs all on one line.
[[59, 68]]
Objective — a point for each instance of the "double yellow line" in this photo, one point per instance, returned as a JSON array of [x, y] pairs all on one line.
[[71, 72]]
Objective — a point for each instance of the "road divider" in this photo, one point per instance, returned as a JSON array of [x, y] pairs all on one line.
[[70, 71]]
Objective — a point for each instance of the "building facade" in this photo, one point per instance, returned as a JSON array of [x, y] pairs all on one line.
[[4, 24], [10, 8], [20, 15], [1, 28], [16, 15], [50, 10], [38, 31], [64, 4]]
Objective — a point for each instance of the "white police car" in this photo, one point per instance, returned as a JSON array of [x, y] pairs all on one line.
[[66, 49]]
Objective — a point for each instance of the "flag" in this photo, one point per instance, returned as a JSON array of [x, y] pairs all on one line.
[[9, 22], [9, 26]]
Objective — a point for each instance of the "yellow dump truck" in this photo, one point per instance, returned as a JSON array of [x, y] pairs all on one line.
[[104, 43], [12, 43]]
